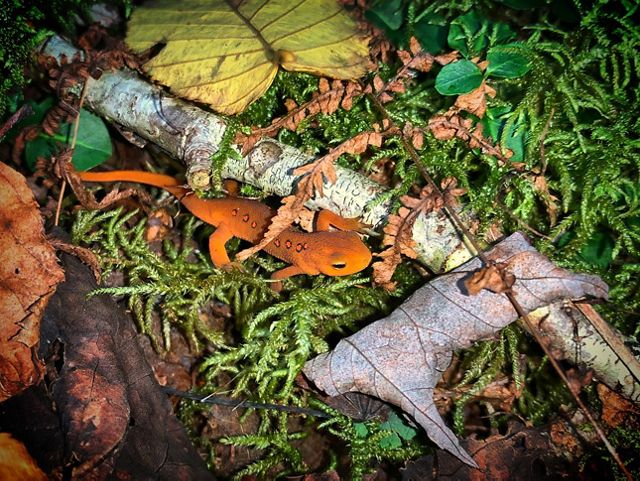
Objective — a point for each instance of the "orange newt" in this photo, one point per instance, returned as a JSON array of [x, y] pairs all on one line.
[[334, 253]]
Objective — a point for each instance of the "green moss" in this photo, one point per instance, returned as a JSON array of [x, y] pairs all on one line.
[[24, 24], [572, 119]]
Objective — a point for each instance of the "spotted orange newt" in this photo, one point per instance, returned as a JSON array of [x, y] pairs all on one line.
[[334, 253]]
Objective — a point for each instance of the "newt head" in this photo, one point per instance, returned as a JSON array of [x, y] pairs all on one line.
[[342, 254]]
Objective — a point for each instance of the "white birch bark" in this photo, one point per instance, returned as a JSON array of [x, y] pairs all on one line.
[[192, 135]]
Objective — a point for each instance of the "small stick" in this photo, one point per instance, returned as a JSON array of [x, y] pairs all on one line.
[[460, 225], [20, 114], [76, 126]]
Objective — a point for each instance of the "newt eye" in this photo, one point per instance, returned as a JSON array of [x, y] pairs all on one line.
[[339, 265]]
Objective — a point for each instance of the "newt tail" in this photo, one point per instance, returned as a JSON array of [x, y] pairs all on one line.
[[329, 252]]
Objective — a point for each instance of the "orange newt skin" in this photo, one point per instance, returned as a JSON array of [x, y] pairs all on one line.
[[333, 253]]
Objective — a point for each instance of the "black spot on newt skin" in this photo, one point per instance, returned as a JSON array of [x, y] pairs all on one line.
[[245, 218], [277, 242], [288, 244], [298, 247], [254, 224], [234, 212]]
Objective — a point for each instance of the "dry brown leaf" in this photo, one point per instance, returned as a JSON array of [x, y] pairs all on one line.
[[29, 273], [445, 127], [447, 58], [522, 453], [451, 124], [16, 464], [401, 358], [398, 235], [475, 101], [615, 409], [328, 98], [159, 224], [114, 421], [563, 435], [494, 278], [414, 60]]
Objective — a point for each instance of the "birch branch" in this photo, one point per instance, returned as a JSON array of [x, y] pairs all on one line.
[[193, 135]]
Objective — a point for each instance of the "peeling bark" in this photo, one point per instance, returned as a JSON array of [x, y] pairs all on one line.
[[192, 135]]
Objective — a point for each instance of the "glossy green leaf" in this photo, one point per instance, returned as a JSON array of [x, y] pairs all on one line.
[[36, 117], [93, 144], [472, 33], [598, 250], [396, 424], [512, 137], [431, 31], [458, 78], [360, 429], [392, 441], [504, 62], [522, 4], [385, 14]]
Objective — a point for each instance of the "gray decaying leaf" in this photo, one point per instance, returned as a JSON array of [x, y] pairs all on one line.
[[401, 358]]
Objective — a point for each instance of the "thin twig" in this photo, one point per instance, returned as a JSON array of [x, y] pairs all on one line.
[[20, 114], [59, 204], [74, 138], [460, 225], [532, 329], [234, 403], [520, 222], [416, 159]]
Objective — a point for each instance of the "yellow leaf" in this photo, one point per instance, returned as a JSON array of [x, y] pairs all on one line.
[[226, 53]]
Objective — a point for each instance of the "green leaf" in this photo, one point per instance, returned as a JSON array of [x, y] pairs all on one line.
[[505, 63], [396, 424], [512, 138], [93, 144], [392, 441], [386, 15], [522, 4], [493, 121], [472, 33], [361, 430], [469, 34], [38, 147], [431, 31], [598, 250], [462, 32], [39, 111], [458, 78], [501, 34]]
